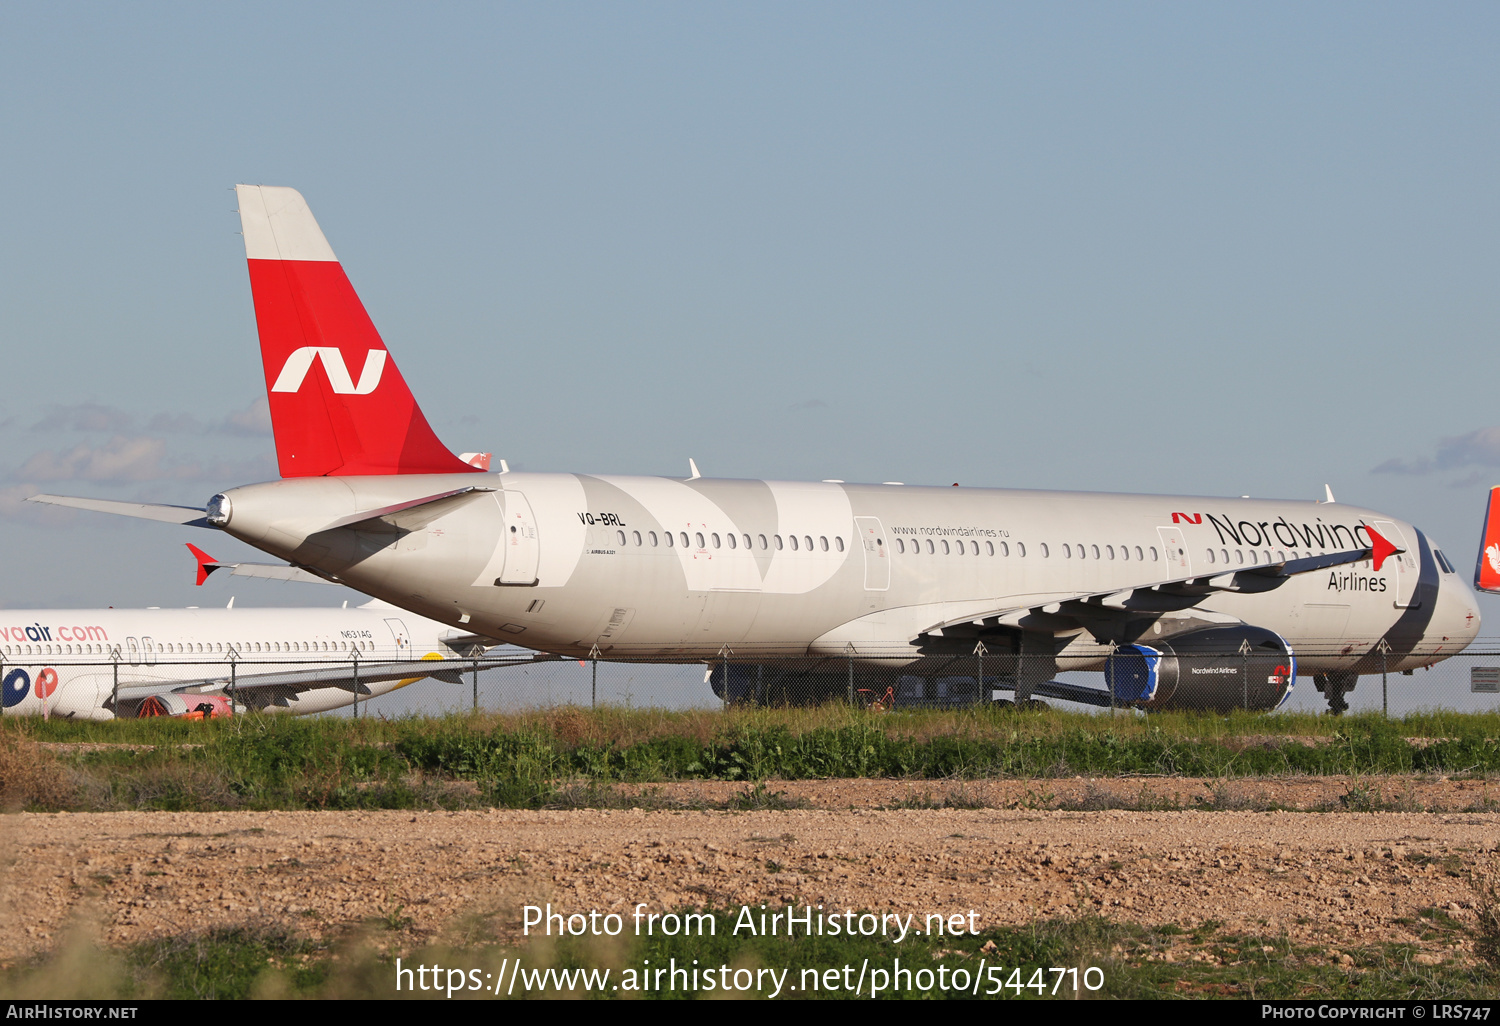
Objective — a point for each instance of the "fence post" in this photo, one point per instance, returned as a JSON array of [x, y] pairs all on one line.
[[594, 677], [1245, 674], [355, 660], [476, 685], [114, 691], [1384, 648], [1109, 675], [850, 650], [979, 651], [234, 691]]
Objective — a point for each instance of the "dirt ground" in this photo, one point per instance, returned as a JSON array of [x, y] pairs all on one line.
[[1330, 878], [1335, 794]]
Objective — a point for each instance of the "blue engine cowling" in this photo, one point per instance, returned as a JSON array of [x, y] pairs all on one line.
[[1214, 669]]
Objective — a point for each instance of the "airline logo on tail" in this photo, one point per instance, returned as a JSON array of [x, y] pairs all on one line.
[[1487, 571], [307, 312], [294, 371]]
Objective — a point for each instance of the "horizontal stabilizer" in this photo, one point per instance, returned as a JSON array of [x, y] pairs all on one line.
[[188, 516]]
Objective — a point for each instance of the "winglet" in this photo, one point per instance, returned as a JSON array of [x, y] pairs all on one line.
[[1327, 491], [206, 563], [1380, 549], [694, 468], [1487, 569]]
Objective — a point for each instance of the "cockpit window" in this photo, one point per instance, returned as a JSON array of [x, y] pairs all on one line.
[[1442, 561]]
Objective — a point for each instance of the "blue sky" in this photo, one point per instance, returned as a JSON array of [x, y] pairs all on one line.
[[1177, 248]]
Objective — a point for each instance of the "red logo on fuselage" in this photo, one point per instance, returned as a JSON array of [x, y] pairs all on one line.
[[1190, 518]]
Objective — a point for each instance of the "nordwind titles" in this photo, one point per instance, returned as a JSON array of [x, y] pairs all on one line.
[[1293, 536]]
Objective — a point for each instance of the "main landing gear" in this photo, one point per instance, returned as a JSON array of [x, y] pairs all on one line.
[[1335, 685]]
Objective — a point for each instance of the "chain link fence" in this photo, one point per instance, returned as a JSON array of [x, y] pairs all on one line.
[[512, 679]]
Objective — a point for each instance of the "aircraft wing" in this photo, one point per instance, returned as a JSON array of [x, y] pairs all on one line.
[[273, 688], [1169, 595]]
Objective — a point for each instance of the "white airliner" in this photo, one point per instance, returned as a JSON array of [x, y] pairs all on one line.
[[96, 664], [1183, 601]]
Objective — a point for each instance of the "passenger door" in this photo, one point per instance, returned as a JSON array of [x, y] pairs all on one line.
[[871, 536], [522, 549]]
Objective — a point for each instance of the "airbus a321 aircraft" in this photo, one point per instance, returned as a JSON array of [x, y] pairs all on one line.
[[96, 664], [1183, 601]]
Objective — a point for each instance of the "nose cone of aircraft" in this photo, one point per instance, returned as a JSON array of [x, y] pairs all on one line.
[[1455, 622]]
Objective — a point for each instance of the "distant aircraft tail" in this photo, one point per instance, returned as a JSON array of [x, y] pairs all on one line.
[[339, 406], [1487, 572]]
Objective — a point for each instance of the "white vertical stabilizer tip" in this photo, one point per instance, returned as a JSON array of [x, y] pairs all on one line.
[[279, 226], [1329, 493], [694, 468]]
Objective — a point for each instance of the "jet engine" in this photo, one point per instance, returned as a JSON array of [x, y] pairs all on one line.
[[1215, 668]]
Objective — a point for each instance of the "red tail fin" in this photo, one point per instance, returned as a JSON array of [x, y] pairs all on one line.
[[339, 406], [1487, 572]]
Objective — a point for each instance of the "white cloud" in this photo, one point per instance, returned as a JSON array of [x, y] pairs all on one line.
[[254, 419], [84, 417], [1479, 448], [122, 458]]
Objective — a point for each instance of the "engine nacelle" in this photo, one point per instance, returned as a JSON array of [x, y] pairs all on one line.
[[1215, 668]]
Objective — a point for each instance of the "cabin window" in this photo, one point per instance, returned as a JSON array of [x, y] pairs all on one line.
[[637, 536], [931, 548], [1280, 556], [1046, 552], [945, 548], [1125, 552], [989, 548], [1020, 550], [699, 536], [1109, 551], [823, 542], [715, 537], [1095, 550], [1004, 549], [1067, 551], [683, 535], [1138, 554], [733, 542], [973, 548], [808, 539], [793, 539], [651, 537], [747, 542], [900, 545], [778, 542], [667, 537], [621, 535], [1210, 555], [838, 541], [763, 545], [1225, 554], [1154, 556], [1267, 555]]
